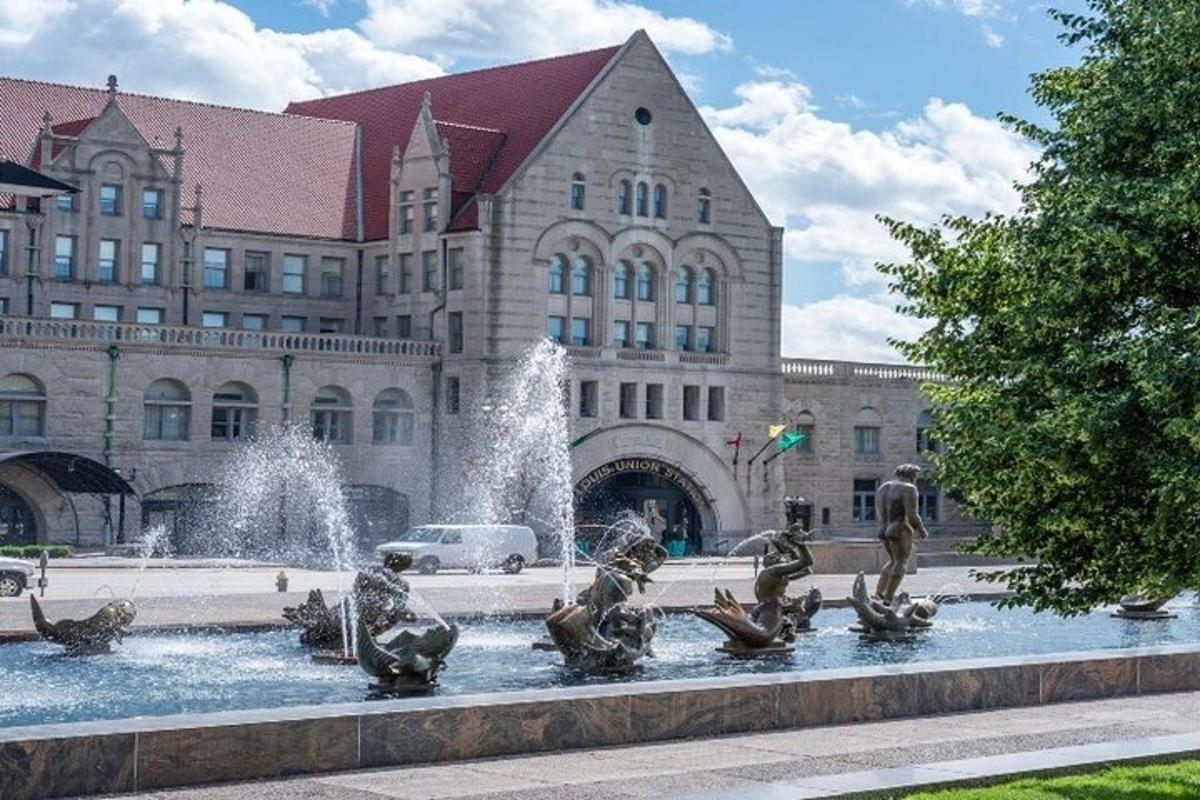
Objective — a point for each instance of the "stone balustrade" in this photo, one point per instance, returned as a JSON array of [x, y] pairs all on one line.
[[74, 330], [801, 369]]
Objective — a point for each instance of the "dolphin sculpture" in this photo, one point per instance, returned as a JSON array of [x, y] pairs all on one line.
[[409, 662], [86, 636]]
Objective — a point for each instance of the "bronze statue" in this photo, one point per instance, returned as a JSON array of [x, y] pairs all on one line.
[[772, 625], [380, 595], [602, 631], [409, 662], [1139, 607], [87, 636], [896, 620], [896, 505]]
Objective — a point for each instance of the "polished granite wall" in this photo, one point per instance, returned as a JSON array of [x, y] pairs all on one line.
[[152, 753]]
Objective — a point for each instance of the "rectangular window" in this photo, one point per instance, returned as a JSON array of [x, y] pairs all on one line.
[[406, 212], [152, 203], [645, 336], [429, 265], [716, 404], [404, 326], [581, 331], [866, 440], [3, 305], [64, 310], [691, 403], [683, 337], [4, 257], [706, 341], [64, 257], [214, 319], [627, 401], [290, 324], [110, 199], [654, 401], [382, 274], [430, 197], [577, 195], [331, 325], [453, 400], [294, 268], [589, 398], [66, 202], [927, 502], [149, 316], [151, 256], [106, 264], [863, 508], [216, 268], [456, 255], [331, 276], [254, 279], [254, 322], [621, 333], [455, 332], [555, 328], [406, 274], [380, 327], [106, 313]]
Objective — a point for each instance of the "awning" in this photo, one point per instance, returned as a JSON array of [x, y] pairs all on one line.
[[71, 473], [20, 180]]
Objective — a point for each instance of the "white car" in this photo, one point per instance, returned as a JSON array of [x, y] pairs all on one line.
[[14, 576], [471, 547]]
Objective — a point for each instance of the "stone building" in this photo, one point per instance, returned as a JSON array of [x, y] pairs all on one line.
[[372, 264]]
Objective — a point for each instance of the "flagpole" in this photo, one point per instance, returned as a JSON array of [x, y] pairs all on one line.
[[769, 442]]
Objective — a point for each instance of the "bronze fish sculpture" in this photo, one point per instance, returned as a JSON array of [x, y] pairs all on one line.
[[86, 636]]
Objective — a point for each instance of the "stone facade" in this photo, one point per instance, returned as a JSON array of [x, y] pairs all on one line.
[[626, 234]]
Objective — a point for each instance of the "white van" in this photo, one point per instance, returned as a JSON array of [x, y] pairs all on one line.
[[472, 547]]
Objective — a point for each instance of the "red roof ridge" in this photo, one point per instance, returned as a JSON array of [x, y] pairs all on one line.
[[493, 68], [123, 93], [464, 126]]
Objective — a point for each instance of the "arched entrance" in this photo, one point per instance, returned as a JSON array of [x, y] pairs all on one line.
[[18, 526], [648, 487]]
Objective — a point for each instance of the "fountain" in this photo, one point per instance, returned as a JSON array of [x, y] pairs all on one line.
[[895, 620], [602, 632], [408, 663], [1139, 607], [86, 636]]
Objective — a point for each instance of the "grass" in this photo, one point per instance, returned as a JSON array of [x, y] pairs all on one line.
[[1176, 781]]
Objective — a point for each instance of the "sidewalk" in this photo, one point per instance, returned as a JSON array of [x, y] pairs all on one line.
[[788, 764]]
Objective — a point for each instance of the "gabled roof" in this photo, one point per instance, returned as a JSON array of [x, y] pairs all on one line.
[[494, 118], [261, 172]]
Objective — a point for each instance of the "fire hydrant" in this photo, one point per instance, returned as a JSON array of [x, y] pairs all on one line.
[[281, 581]]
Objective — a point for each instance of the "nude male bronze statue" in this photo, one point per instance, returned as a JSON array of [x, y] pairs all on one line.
[[896, 506]]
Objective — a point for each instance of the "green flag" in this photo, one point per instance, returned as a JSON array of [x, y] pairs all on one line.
[[788, 439]]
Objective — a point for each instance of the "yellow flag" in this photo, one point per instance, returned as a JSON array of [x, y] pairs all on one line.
[[775, 430]]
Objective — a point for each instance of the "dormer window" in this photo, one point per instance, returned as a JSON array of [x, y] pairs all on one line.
[[578, 187], [152, 203], [406, 212], [431, 210], [110, 199]]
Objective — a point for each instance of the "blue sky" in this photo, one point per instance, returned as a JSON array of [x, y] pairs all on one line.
[[833, 110]]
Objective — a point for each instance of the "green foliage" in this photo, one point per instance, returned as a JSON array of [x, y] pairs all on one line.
[[35, 550], [1070, 332], [1180, 780]]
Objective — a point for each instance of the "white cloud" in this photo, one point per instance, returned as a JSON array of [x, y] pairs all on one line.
[[199, 49], [970, 8], [528, 28], [846, 328], [992, 38]]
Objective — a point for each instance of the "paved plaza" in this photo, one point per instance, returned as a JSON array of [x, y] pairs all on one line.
[[209, 594], [767, 765]]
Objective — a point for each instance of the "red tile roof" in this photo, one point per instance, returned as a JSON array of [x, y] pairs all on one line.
[[521, 102], [262, 172]]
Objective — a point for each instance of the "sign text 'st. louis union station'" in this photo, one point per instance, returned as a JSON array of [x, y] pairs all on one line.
[[371, 263]]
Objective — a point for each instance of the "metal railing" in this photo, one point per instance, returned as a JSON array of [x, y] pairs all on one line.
[[221, 338]]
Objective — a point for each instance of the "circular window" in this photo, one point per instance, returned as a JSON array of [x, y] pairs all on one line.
[[642, 115]]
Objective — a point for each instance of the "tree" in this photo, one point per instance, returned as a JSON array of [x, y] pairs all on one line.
[[1069, 332]]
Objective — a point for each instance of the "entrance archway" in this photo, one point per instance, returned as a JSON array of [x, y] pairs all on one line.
[[647, 487], [18, 525]]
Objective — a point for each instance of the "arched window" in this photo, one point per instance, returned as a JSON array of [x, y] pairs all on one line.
[[645, 282], [581, 277], [705, 288], [704, 207], [332, 415], [683, 285], [168, 407], [621, 282], [22, 406], [806, 426], [624, 199], [866, 431], [642, 199], [392, 418], [234, 412], [556, 280], [660, 201], [578, 187], [924, 423]]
